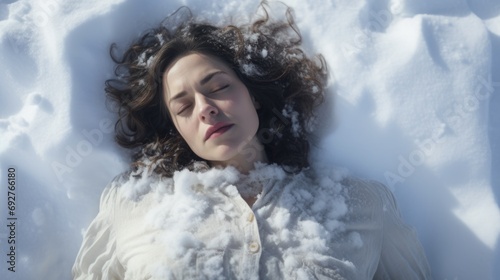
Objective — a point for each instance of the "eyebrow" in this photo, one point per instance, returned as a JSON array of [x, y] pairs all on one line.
[[203, 81]]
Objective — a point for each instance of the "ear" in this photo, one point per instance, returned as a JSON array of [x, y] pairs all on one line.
[[256, 104]]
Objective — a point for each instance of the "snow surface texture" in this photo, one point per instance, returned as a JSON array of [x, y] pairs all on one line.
[[413, 100]]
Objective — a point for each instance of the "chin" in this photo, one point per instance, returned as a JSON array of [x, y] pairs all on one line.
[[224, 155]]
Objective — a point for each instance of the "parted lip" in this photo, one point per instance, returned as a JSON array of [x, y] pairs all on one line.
[[214, 128]]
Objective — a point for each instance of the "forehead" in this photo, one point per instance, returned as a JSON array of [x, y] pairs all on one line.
[[191, 68]]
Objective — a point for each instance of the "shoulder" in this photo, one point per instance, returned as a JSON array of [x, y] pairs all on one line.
[[356, 188], [145, 190], [128, 191], [110, 193], [371, 198], [134, 186], [366, 191], [361, 197]]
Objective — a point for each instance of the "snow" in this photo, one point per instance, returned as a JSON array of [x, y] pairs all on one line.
[[289, 113], [412, 102], [178, 209]]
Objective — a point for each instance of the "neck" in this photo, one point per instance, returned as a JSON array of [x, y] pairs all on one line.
[[245, 160]]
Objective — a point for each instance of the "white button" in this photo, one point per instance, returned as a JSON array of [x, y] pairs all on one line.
[[250, 217], [254, 247]]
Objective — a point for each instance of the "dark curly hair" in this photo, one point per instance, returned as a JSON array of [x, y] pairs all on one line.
[[265, 55]]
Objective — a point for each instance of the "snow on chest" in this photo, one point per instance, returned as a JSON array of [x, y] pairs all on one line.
[[303, 218]]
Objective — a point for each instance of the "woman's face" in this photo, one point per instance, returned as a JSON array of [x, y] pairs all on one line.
[[212, 110]]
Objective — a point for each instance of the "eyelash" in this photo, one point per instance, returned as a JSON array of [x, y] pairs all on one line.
[[183, 109], [187, 107], [221, 88]]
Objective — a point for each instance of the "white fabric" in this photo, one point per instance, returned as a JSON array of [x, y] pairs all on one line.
[[197, 226]]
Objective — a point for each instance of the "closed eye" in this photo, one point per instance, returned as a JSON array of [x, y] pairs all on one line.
[[183, 109], [221, 88]]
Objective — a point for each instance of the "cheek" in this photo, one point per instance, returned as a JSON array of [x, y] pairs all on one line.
[[183, 128], [240, 101], [179, 127], [250, 110], [188, 132]]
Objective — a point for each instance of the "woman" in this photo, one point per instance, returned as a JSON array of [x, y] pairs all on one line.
[[218, 118]]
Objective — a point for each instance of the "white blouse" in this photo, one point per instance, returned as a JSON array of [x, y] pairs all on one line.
[[196, 225]]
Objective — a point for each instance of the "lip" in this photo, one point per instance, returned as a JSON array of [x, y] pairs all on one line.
[[217, 129]]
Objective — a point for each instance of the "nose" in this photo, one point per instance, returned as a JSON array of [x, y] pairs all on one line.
[[207, 110]]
